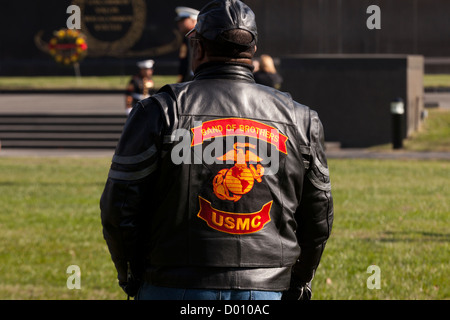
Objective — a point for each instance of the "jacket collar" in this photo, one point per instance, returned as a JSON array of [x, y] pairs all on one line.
[[224, 70]]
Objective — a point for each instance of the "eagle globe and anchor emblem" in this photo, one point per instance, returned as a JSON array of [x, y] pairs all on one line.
[[233, 183]]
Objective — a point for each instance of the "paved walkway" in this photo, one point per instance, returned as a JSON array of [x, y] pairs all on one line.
[[112, 103], [62, 103], [437, 99]]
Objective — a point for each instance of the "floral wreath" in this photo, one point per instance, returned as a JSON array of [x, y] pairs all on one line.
[[68, 46]]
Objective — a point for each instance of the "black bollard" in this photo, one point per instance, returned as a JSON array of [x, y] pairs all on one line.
[[397, 112]]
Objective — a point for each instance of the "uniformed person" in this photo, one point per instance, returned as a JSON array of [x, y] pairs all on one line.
[[186, 20], [141, 85]]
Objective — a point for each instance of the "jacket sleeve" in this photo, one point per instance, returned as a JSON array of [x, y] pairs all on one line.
[[315, 213], [126, 202]]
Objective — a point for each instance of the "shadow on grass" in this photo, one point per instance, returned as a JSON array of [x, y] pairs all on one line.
[[413, 236]]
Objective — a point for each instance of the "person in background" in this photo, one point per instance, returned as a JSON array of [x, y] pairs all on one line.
[[255, 63], [141, 85], [186, 20], [267, 73]]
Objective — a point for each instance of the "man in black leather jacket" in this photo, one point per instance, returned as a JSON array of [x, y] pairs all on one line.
[[219, 187]]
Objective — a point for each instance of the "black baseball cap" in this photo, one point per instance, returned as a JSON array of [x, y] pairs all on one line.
[[219, 16]]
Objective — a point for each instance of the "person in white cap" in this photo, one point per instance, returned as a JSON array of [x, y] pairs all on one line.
[[141, 85], [186, 20]]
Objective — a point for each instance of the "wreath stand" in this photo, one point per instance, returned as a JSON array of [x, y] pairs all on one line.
[[76, 69]]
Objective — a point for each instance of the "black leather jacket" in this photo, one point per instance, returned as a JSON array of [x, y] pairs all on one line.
[[219, 183]]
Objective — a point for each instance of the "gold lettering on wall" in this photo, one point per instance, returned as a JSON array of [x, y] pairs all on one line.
[[112, 27]]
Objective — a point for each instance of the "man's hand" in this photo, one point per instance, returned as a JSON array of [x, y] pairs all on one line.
[[302, 292], [131, 286]]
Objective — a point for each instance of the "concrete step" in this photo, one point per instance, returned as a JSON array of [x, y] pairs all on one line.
[[91, 131]]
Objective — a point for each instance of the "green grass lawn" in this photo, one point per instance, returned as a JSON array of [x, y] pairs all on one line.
[[49, 220], [434, 134], [394, 214], [118, 82], [436, 80], [67, 82]]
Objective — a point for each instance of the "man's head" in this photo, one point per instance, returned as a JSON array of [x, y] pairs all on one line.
[[225, 31]]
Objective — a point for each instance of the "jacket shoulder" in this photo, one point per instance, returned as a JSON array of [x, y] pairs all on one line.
[[311, 130]]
